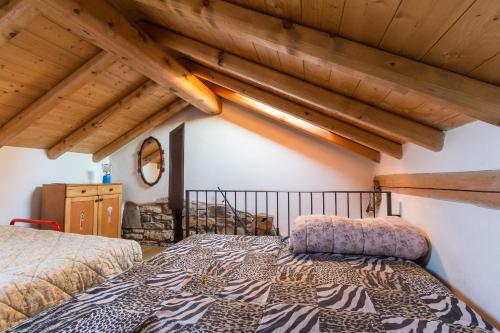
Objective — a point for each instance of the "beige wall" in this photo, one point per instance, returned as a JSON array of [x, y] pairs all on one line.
[[465, 238]]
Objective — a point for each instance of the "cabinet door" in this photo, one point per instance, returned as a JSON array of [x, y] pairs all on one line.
[[109, 216], [81, 215]]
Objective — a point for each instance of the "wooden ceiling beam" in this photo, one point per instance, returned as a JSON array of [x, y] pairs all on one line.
[[311, 116], [383, 122], [480, 188], [471, 97], [324, 135], [155, 120], [53, 97], [15, 15], [100, 120], [101, 24]]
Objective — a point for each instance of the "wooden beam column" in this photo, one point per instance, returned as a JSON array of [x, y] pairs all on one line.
[[471, 97], [94, 124], [150, 123], [53, 97], [312, 116], [101, 24], [384, 123]]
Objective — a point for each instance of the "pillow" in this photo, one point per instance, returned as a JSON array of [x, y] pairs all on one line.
[[388, 236]]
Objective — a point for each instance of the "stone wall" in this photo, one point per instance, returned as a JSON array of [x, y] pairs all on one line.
[[154, 223], [157, 225], [203, 218]]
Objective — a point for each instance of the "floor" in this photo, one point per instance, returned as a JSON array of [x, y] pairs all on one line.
[[150, 251]]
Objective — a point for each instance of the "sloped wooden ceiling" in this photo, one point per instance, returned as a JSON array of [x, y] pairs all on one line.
[[114, 95]]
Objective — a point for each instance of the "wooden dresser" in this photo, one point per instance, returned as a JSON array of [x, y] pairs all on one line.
[[89, 209]]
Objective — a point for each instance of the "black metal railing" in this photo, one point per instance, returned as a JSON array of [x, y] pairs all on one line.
[[273, 212]]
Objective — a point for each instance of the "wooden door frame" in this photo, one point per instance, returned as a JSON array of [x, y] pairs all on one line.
[[176, 178]]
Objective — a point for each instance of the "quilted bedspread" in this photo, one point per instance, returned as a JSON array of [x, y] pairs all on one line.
[[41, 268], [213, 283]]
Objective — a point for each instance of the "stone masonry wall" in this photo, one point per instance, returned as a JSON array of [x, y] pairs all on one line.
[[157, 223], [203, 218]]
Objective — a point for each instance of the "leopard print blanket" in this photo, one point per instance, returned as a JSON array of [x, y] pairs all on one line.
[[215, 283]]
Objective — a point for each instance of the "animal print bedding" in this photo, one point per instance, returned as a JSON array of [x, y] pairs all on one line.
[[214, 283], [41, 268]]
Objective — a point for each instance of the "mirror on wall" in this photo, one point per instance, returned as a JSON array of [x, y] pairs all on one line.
[[151, 161]]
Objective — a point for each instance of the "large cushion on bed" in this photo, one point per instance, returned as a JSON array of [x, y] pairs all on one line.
[[389, 236]]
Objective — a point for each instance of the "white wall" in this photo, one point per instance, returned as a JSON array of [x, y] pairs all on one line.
[[242, 150], [465, 238], [23, 171]]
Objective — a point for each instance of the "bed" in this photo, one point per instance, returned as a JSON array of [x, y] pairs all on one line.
[[220, 283], [41, 268]]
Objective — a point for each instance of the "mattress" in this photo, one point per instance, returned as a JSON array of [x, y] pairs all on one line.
[[214, 283], [41, 268]]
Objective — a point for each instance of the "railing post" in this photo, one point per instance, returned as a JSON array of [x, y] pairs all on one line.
[[277, 213], [187, 217]]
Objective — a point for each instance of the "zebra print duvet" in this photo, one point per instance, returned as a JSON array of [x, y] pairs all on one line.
[[215, 283]]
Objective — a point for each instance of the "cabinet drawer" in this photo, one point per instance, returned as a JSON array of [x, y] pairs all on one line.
[[73, 191], [109, 189]]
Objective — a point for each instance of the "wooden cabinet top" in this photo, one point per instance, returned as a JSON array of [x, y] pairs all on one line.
[[85, 190], [77, 184]]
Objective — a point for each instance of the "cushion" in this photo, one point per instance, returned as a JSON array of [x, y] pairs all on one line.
[[388, 236]]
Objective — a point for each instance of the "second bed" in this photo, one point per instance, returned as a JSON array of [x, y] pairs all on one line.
[[41, 268], [216, 283]]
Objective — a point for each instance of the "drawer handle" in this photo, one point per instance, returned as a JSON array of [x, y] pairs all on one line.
[[110, 190], [83, 191]]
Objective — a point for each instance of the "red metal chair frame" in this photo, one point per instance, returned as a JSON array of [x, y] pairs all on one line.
[[54, 224]]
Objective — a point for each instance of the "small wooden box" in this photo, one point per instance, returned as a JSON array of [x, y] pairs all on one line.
[[264, 224]]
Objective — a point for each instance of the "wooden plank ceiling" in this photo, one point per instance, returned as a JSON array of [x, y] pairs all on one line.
[[105, 101]]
